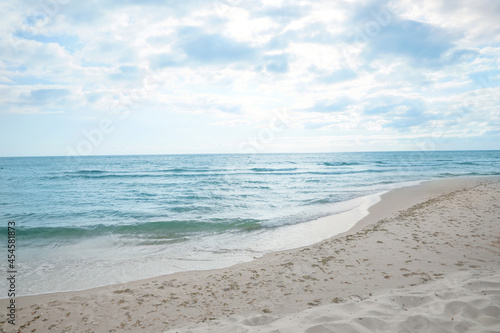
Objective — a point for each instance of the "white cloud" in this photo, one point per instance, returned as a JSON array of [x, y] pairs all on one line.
[[339, 67]]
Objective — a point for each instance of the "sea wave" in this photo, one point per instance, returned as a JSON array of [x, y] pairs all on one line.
[[333, 164], [272, 169], [253, 171], [149, 230]]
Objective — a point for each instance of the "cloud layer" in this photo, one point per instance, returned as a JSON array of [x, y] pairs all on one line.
[[206, 76]]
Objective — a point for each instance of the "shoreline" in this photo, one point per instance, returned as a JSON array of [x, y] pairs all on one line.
[[335, 270], [269, 240]]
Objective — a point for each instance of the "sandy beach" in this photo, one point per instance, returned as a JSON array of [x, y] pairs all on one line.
[[426, 259]]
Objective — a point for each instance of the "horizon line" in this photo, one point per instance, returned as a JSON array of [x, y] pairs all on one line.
[[265, 153]]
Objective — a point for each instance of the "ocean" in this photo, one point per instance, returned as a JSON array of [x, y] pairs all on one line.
[[84, 222]]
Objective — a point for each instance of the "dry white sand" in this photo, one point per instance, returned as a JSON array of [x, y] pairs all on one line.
[[426, 259], [462, 302]]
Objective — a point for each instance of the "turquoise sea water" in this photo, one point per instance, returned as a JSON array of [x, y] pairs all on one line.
[[89, 221]]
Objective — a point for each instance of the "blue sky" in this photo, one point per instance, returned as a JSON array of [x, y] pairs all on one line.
[[192, 76]]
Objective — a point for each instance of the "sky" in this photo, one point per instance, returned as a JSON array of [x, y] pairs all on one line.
[[115, 77]]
